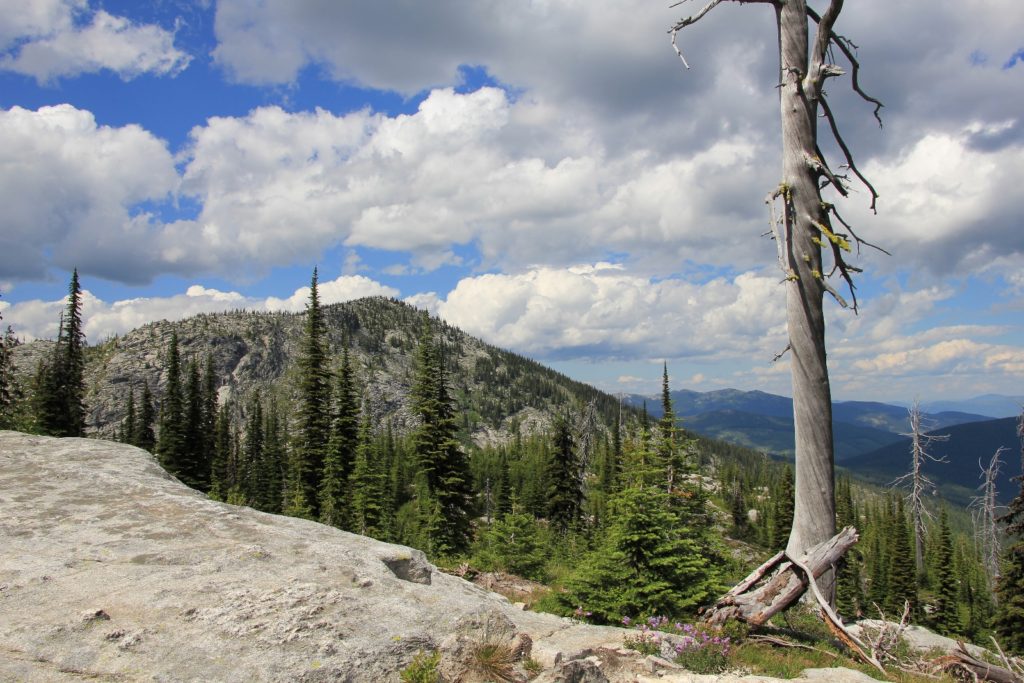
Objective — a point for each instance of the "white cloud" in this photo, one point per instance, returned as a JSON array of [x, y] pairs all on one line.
[[36, 319], [605, 312], [48, 40], [68, 186]]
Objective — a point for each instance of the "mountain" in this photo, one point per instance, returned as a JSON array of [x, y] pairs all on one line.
[[498, 392], [775, 434], [958, 478], [764, 421], [993, 405]]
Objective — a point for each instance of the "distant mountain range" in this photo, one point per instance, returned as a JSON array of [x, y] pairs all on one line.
[[763, 421], [967, 448]]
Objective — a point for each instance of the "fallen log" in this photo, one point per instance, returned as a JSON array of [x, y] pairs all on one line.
[[757, 604], [963, 662]]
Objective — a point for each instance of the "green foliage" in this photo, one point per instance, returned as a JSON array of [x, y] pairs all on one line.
[[171, 441], [645, 564], [517, 544], [60, 380], [1009, 617], [565, 490], [314, 410], [422, 669], [945, 615]]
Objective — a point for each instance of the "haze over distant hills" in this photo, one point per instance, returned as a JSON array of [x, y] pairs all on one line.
[[764, 421]]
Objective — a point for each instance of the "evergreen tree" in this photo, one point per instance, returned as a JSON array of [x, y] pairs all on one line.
[[314, 410], [565, 490], [171, 444], [946, 616], [143, 436], [438, 453], [514, 543], [1009, 616], [220, 476], [10, 390], [196, 471], [782, 512], [370, 510], [60, 382], [275, 457], [209, 413], [902, 572], [333, 493], [646, 564], [252, 483]]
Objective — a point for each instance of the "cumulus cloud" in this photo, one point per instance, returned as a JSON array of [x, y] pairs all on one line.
[[68, 186], [51, 39], [36, 319], [603, 311]]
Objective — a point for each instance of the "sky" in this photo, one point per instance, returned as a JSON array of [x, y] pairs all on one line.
[[545, 174]]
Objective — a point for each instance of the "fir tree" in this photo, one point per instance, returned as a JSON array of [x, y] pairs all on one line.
[[902, 572], [368, 486], [438, 453], [1009, 617], [946, 616], [171, 444], [514, 543], [252, 485], [60, 382], [565, 490], [782, 513], [220, 477], [196, 471], [314, 409], [646, 564], [333, 493], [275, 458]]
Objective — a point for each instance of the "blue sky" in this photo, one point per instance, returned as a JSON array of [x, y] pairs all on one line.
[[545, 175]]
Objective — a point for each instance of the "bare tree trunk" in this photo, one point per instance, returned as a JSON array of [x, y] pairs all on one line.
[[920, 485], [804, 230], [814, 510]]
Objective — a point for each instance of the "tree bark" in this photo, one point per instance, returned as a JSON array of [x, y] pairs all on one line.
[[814, 504]]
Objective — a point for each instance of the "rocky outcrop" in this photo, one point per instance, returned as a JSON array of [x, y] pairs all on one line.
[[113, 570]]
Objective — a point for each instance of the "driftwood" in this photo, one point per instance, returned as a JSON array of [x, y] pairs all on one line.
[[960, 661], [757, 604]]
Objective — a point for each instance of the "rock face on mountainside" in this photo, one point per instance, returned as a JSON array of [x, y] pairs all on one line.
[[498, 392], [112, 570]]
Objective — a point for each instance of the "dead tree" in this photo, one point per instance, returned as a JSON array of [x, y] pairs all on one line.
[[918, 483], [803, 228], [984, 514]]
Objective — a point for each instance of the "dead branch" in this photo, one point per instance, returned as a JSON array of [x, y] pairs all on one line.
[[834, 623], [779, 642], [963, 661], [984, 516], [837, 136], [693, 19], [846, 46]]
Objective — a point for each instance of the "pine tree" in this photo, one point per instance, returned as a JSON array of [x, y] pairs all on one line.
[[220, 475], [337, 467], [252, 454], [565, 490], [646, 564], [1009, 617], [314, 410], [782, 512], [438, 453], [275, 458], [370, 510], [60, 382], [171, 444], [946, 616], [196, 461], [902, 572]]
